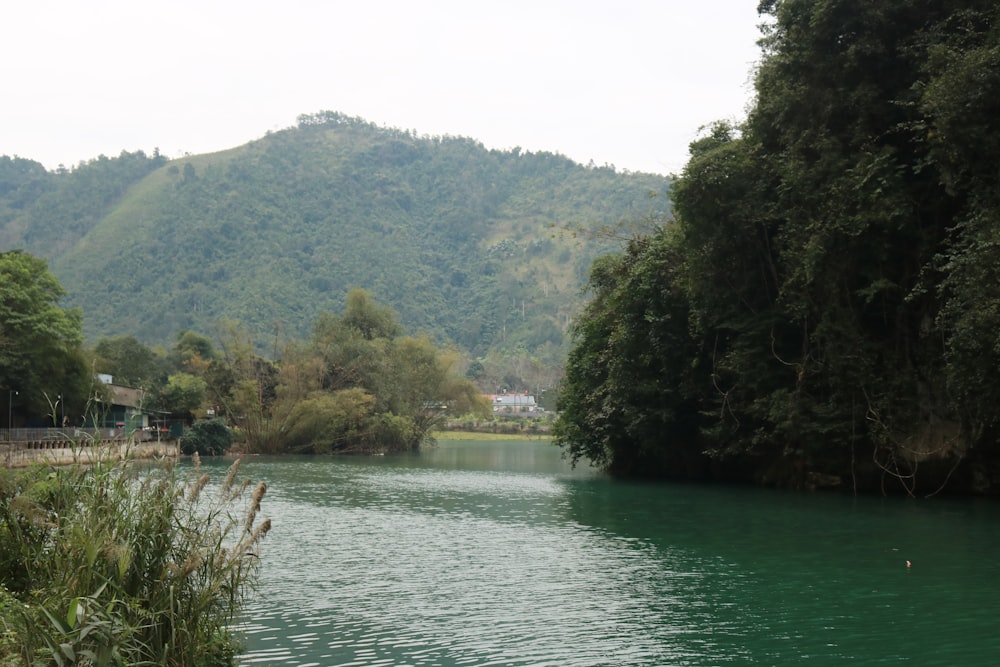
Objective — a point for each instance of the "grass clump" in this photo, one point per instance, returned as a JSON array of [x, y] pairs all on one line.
[[121, 563]]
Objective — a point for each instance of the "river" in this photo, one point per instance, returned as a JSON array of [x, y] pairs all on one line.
[[497, 553]]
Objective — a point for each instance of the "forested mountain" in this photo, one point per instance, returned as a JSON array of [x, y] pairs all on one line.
[[470, 246], [825, 311]]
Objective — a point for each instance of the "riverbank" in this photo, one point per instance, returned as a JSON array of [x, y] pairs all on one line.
[[446, 436], [21, 457]]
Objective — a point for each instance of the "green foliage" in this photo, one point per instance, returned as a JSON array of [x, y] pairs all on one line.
[[367, 317], [330, 422], [48, 214], [357, 385], [193, 351], [628, 400], [465, 244], [182, 394], [9, 650], [39, 340], [209, 437], [833, 264], [124, 565], [960, 105], [129, 362]]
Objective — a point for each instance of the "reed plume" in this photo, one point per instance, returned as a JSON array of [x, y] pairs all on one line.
[[258, 495], [256, 536], [227, 483], [151, 569], [197, 488]]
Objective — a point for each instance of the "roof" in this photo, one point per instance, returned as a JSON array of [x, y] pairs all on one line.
[[512, 400], [130, 397]]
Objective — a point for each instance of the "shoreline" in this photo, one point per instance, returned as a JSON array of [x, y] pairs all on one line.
[[25, 457], [454, 436]]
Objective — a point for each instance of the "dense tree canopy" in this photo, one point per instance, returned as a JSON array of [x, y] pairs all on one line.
[[358, 384], [40, 355], [833, 261], [129, 362], [627, 402]]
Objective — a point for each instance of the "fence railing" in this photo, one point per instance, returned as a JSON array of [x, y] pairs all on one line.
[[79, 436], [28, 446]]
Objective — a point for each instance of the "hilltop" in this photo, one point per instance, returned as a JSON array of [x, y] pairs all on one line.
[[473, 247]]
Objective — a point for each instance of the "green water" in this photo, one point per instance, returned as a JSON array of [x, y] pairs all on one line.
[[496, 553]]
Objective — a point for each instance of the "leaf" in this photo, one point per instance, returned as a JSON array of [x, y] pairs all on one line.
[[56, 623], [75, 610], [67, 650]]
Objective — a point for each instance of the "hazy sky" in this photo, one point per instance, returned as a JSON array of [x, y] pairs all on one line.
[[623, 82]]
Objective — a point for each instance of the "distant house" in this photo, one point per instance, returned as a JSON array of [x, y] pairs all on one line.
[[514, 404], [124, 409]]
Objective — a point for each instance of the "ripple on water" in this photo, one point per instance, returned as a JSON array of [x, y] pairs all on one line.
[[409, 577], [375, 565]]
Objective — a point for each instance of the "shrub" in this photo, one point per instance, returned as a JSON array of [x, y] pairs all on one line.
[[210, 437]]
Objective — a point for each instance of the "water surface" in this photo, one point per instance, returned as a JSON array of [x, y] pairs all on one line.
[[497, 553]]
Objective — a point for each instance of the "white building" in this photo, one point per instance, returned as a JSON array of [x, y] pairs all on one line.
[[514, 403]]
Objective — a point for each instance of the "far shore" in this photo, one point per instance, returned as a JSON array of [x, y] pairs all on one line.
[[447, 436]]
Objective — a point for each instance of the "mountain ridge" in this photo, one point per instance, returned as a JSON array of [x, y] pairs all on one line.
[[468, 245]]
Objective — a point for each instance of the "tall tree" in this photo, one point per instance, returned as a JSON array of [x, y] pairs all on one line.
[[960, 101], [129, 362], [628, 401], [368, 317], [40, 355]]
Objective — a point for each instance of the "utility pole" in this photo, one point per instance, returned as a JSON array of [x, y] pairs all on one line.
[[10, 407]]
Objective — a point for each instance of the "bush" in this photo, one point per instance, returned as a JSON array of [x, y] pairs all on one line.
[[210, 437]]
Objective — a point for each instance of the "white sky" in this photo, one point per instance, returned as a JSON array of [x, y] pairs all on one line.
[[623, 82]]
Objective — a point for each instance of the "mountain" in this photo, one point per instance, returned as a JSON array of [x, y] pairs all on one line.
[[471, 246]]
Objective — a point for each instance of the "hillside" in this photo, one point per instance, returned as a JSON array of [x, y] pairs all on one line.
[[468, 245]]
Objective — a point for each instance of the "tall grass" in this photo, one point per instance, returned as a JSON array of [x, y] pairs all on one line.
[[121, 563]]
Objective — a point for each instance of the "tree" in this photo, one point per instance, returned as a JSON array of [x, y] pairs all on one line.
[[628, 402], [39, 340], [476, 370], [371, 319], [247, 389], [411, 381], [836, 254], [210, 437], [421, 387], [182, 394], [193, 352], [129, 362], [960, 101], [731, 274], [347, 357], [329, 422], [357, 385]]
